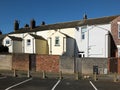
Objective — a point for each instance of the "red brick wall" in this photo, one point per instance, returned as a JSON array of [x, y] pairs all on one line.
[[118, 65], [48, 63], [20, 61], [114, 30], [114, 65]]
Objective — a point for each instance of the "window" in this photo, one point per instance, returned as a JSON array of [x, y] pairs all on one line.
[[83, 30], [28, 42], [119, 31], [7, 41], [57, 41], [118, 52]]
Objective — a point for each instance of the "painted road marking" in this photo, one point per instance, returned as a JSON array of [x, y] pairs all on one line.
[[18, 84], [93, 85], [2, 77], [56, 85]]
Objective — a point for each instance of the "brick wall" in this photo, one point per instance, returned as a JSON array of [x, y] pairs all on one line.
[[20, 61], [48, 63], [114, 30], [114, 65]]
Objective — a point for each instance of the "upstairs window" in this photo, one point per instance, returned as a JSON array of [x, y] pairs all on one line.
[[83, 30], [119, 31], [57, 41], [28, 42]]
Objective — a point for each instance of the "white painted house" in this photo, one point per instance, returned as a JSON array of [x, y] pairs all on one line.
[[84, 38], [14, 44], [94, 41]]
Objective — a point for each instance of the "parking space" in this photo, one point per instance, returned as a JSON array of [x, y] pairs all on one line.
[[35, 83]]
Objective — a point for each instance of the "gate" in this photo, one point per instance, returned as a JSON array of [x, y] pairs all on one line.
[[32, 62]]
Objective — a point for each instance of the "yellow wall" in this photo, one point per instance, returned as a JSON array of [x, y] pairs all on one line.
[[41, 47]]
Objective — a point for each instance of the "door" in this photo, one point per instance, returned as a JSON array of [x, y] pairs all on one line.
[[32, 62]]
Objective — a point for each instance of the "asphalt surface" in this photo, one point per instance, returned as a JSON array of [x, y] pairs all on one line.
[[23, 83]]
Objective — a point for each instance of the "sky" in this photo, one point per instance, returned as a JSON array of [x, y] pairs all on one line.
[[52, 11]]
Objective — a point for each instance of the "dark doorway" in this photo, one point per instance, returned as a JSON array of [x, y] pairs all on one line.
[[32, 62]]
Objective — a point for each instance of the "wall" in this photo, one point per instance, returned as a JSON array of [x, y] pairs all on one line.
[[29, 48], [48, 63], [10, 45], [41, 46], [114, 30], [17, 46], [85, 65], [20, 62], [57, 49], [6, 62], [114, 65], [96, 41], [66, 64]]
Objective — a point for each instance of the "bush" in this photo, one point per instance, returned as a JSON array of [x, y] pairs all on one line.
[[3, 48]]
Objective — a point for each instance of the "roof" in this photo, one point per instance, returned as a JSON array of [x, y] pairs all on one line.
[[37, 37], [72, 24], [15, 38], [2, 37]]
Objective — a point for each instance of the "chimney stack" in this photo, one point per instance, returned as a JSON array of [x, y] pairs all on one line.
[[32, 23], [0, 32], [43, 23], [16, 25], [85, 16]]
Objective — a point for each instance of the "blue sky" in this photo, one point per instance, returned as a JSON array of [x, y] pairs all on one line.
[[53, 11]]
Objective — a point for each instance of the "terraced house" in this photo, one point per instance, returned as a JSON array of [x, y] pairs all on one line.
[[96, 37]]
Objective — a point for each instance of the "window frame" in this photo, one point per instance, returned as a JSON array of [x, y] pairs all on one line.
[[118, 31], [57, 41], [28, 42], [7, 42], [83, 30]]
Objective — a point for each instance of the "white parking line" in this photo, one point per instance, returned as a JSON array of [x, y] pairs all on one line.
[[56, 85], [93, 85], [2, 77], [18, 84]]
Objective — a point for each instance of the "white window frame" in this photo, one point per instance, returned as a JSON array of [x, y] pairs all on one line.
[[7, 42], [28, 42], [83, 30], [118, 31], [57, 41], [118, 51]]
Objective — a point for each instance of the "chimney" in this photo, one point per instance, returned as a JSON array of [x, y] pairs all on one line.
[[85, 17], [26, 26], [0, 32], [43, 23], [32, 24], [16, 25]]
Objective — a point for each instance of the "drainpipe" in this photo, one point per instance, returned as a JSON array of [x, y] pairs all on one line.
[[50, 45], [33, 45], [107, 45], [88, 44]]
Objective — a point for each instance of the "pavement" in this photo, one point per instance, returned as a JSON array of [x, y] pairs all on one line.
[[36, 83]]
